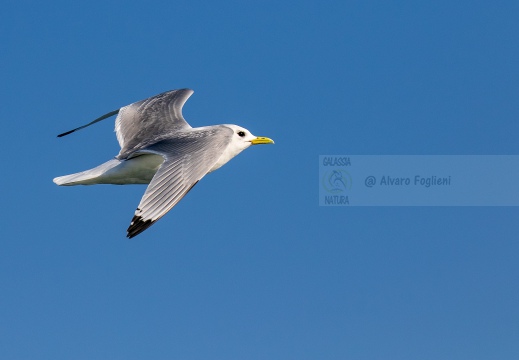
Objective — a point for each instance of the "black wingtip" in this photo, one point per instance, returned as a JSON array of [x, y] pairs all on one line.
[[66, 133], [137, 226], [105, 116]]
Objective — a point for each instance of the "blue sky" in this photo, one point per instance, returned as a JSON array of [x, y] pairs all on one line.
[[248, 266]]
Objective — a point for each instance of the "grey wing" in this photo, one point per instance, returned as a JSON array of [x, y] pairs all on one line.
[[144, 122], [186, 161]]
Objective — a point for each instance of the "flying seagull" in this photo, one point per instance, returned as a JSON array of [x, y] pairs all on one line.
[[159, 148]]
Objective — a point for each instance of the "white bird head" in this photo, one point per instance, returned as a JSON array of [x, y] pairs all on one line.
[[242, 138]]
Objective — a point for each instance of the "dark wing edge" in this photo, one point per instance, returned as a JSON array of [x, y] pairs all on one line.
[[138, 224], [105, 116]]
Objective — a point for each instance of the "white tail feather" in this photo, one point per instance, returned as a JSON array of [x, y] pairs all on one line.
[[87, 177], [137, 170]]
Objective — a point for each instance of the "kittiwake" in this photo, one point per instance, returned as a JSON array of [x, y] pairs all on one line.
[[159, 148]]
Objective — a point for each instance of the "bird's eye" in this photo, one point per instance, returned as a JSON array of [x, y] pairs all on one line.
[[241, 133]]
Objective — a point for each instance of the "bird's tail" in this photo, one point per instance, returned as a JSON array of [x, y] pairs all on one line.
[[87, 177]]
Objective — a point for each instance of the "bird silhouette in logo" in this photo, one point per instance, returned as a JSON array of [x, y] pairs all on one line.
[[337, 181]]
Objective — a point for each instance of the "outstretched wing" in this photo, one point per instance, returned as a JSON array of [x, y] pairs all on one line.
[[147, 114], [145, 122], [187, 159]]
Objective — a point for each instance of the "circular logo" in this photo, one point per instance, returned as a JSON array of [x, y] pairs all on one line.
[[336, 181]]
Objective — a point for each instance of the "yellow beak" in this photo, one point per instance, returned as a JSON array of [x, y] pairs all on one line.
[[262, 140]]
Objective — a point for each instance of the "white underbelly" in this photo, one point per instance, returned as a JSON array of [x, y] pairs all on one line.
[[137, 170]]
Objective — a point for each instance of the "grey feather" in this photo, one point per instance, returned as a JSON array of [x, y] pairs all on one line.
[[187, 158], [147, 121]]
